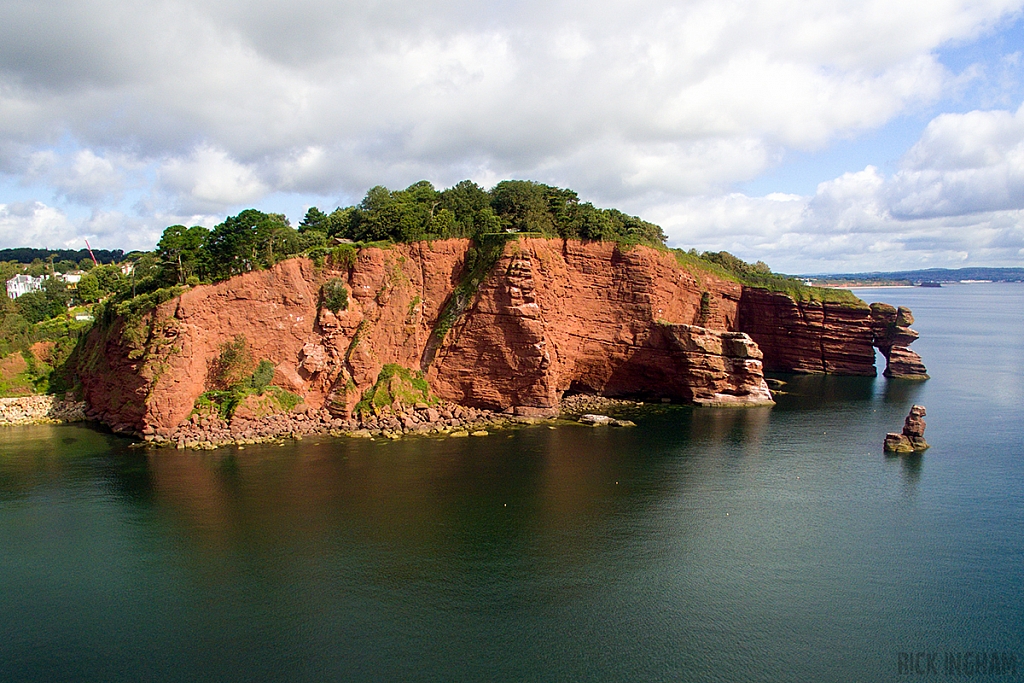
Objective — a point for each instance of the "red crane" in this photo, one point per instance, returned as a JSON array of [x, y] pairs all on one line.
[[94, 261]]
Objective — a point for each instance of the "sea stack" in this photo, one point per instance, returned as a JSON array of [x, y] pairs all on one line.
[[912, 438], [892, 336]]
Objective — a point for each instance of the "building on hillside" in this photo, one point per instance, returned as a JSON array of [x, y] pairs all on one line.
[[23, 284], [72, 279]]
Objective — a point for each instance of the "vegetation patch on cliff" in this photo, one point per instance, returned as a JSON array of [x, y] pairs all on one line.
[[37, 361], [395, 384], [233, 359], [334, 295], [480, 260], [726, 266]]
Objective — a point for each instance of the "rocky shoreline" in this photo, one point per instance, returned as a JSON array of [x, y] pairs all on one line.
[[207, 432], [42, 409]]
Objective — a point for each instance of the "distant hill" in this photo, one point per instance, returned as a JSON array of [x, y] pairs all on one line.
[[929, 275], [30, 254]]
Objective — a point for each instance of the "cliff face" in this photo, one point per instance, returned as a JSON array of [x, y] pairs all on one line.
[[836, 338], [558, 316], [550, 316], [808, 336], [892, 337], [543, 318]]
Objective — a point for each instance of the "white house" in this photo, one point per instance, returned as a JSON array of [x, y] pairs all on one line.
[[23, 284]]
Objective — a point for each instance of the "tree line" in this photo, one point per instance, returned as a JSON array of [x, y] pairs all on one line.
[[61, 256], [253, 239]]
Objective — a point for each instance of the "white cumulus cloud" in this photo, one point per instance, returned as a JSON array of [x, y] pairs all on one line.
[[957, 199], [209, 180], [182, 107]]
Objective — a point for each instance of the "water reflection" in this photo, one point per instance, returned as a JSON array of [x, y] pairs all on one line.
[[902, 391], [812, 392], [745, 427], [40, 457], [911, 466]]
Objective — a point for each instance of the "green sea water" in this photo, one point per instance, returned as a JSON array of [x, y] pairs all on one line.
[[703, 545]]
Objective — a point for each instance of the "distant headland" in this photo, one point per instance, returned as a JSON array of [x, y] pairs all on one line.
[[928, 277]]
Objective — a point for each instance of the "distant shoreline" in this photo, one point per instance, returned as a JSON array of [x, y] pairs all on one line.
[[871, 286]]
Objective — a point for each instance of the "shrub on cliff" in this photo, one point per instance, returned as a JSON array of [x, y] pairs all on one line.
[[335, 295], [261, 377], [224, 401], [344, 255], [232, 366], [395, 384]]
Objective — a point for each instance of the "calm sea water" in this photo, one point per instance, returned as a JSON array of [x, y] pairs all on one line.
[[704, 545]]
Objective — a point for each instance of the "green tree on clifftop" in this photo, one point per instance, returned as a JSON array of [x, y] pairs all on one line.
[[181, 250]]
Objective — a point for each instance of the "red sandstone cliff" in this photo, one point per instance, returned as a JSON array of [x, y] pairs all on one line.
[[808, 336], [549, 317], [838, 338]]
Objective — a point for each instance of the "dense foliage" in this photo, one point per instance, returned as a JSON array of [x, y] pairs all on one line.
[[467, 210], [76, 257]]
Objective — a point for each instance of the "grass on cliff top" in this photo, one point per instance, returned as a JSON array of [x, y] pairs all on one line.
[[395, 383], [728, 267]]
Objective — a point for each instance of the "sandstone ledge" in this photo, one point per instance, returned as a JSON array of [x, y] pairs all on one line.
[[444, 419], [441, 420], [730, 401], [45, 409]]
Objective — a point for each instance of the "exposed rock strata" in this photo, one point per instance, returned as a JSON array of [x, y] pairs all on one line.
[[891, 327], [911, 440], [808, 336], [837, 338], [552, 317], [557, 316]]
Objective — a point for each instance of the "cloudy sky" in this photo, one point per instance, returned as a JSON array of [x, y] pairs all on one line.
[[819, 136]]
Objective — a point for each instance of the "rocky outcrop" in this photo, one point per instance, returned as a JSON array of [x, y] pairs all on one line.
[[809, 337], [604, 420], [512, 330], [911, 440], [891, 327], [836, 338], [44, 409], [557, 316], [206, 431], [550, 317]]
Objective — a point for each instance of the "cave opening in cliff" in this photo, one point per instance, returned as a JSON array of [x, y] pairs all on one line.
[[578, 388]]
